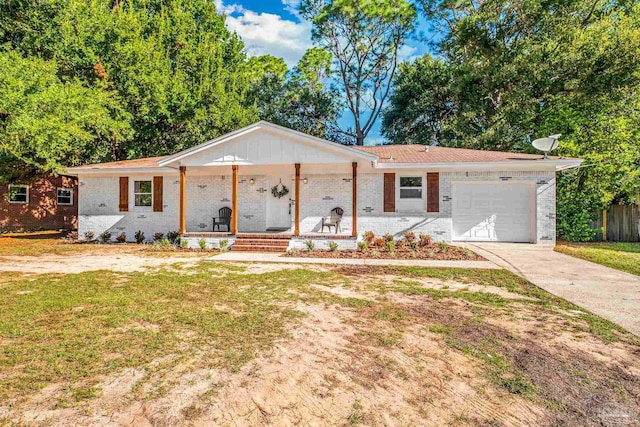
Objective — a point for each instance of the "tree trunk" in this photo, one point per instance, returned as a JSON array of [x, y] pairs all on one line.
[[359, 138]]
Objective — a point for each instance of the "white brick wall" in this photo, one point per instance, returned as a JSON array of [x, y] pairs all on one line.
[[319, 196], [98, 200], [98, 204], [439, 225]]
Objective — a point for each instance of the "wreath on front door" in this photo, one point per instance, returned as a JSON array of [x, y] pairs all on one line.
[[279, 190]]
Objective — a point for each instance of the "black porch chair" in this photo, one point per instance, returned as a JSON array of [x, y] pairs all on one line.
[[223, 218], [334, 219]]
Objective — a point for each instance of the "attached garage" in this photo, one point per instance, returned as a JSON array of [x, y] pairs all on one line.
[[493, 211]]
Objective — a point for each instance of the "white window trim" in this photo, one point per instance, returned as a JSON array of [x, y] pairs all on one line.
[[401, 188], [15, 202], [411, 205], [58, 196], [133, 193]]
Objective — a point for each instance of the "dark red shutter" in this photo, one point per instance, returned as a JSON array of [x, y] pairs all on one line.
[[389, 192], [124, 194], [157, 194], [433, 192]]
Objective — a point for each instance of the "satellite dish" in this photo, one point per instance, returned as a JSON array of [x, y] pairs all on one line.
[[547, 144]]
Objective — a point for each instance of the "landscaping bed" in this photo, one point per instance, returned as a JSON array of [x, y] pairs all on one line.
[[420, 247]]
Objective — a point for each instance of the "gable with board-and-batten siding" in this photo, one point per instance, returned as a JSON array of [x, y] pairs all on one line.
[[267, 144]]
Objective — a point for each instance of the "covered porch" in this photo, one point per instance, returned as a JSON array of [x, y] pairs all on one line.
[[288, 200]]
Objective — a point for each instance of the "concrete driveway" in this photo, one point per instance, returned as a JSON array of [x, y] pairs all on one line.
[[610, 293]]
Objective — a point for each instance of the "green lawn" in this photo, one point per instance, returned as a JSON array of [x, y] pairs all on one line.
[[618, 255]]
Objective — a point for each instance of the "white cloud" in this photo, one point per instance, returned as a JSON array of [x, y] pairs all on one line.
[[267, 33], [407, 53], [291, 6], [228, 9]]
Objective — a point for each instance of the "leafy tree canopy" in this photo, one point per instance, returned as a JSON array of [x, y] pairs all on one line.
[[49, 122], [132, 78], [299, 98]]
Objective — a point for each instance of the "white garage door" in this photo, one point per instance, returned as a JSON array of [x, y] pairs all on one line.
[[496, 211]]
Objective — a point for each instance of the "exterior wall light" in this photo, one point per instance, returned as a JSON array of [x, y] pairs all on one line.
[[305, 180], [252, 181]]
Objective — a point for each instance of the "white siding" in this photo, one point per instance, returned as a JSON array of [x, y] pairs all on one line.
[[266, 148]]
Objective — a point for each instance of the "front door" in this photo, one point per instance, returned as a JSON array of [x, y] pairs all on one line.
[[279, 208]]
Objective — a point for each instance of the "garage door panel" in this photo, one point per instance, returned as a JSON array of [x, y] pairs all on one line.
[[492, 212]]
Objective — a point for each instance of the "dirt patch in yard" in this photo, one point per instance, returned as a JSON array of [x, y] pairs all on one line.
[[581, 389], [72, 264]]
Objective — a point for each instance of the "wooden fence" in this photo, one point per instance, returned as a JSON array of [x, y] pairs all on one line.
[[622, 222]]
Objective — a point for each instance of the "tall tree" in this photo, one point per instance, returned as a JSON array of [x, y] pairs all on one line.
[[364, 37], [298, 99]]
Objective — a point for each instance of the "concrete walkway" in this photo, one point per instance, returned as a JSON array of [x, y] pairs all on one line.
[[610, 293], [274, 257]]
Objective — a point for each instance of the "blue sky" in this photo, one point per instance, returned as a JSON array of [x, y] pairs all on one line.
[[274, 27]]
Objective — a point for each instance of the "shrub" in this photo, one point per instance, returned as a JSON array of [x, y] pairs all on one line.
[[391, 247], [122, 237], [368, 236], [363, 246], [105, 236], [375, 253], [333, 246], [414, 245], [443, 246], [224, 245], [158, 237], [388, 237], [139, 236], [89, 236], [310, 245], [184, 243], [577, 204], [202, 243], [410, 236], [378, 241], [173, 236], [425, 239], [165, 243], [72, 235]]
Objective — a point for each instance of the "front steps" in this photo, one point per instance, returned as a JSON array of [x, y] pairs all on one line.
[[246, 242]]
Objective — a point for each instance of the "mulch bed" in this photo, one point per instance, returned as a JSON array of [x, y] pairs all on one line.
[[403, 251]]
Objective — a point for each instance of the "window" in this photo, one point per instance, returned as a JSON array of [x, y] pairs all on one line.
[[411, 187], [142, 193], [65, 196], [18, 194]]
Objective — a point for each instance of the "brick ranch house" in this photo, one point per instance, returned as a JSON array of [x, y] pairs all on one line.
[[451, 194], [47, 204]]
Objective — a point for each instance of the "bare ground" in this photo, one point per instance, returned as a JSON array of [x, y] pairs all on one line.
[[405, 359]]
